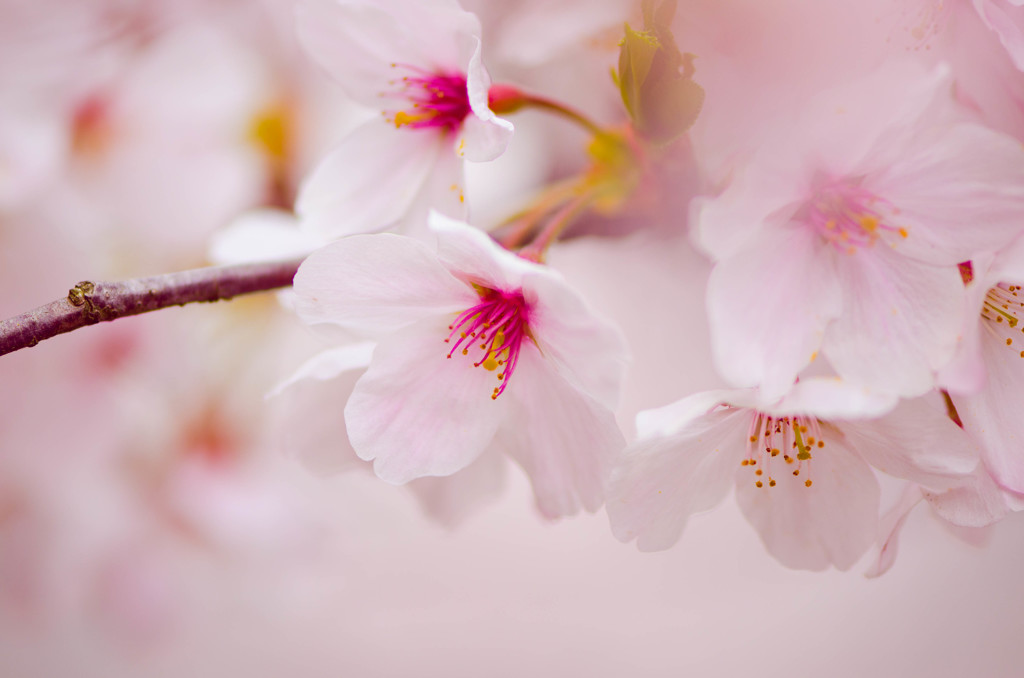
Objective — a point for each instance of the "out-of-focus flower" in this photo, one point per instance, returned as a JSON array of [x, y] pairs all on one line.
[[844, 236], [656, 79], [419, 64], [477, 348], [802, 467], [1006, 18], [984, 378]]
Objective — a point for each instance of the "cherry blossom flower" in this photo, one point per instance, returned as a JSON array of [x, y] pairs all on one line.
[[986, 374], [477, 347], [844, 236], [419, 64], [802, 467]]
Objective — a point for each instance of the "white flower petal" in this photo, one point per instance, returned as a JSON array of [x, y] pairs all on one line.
[[658, 483], [832, 399], [588, 351], [768, 307], [967, 175], [484, 136], [979, 503], [473, 256], [375, 284], [900, 321], [993, 415], [262, 235], [451, 499], [563, 438], [368, 181], [417, 412], [916, 442], [833, 522], [313, 401]]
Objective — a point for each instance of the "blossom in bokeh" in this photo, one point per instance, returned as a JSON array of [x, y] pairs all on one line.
[[984, 379], [844, 236]]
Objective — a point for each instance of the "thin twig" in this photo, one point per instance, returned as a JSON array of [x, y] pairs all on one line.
[[88, 303]]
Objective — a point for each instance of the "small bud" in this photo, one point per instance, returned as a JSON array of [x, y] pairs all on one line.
[[656, 79]]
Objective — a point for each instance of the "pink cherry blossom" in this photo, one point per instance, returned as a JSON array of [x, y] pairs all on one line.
[[419, 64], [843, 236], [477, 348], [802, 467]]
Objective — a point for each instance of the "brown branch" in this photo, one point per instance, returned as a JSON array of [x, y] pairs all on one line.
[[89, 303]]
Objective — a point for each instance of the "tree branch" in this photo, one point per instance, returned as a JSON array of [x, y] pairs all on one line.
[[89, 303]]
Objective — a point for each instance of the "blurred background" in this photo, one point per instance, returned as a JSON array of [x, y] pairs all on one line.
[[151, 520]]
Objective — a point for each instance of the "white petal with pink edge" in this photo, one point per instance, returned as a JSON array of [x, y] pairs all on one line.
[[374, 284], [416, 412]]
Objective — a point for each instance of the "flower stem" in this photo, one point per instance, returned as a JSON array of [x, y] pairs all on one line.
[[504, 99], [88, 303], [559, 222]]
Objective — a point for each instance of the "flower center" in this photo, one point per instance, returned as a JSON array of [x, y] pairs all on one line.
[[494, 330], [1003, 309], [850, 217], [792, 437], [435, 100]]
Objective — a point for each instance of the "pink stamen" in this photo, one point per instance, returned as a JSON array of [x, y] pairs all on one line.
[[431, 100], [496, 328]]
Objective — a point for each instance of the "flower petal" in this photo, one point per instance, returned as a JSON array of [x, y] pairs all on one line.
[[261, 235], [313, 402], [484, 135], [359, 41], [473, 256], [833, 522], [979, 503], [993, 415], [451, 499], [916, 442], [375, 284], [659, 482], [418, 413], [368, 181], [967, 174], [563, 438], [768, 307], [587, 350], [900, 321], [889, 530]]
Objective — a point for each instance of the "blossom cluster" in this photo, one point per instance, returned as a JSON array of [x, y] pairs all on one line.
[[500, 240], [861, 224]]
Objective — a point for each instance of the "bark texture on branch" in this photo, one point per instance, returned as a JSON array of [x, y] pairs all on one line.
[[88, 303]]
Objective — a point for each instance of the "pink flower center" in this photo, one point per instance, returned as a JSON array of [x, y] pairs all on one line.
[[493, 331], [1003, 309], [850, 217], [792, 437], [434, 100]]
